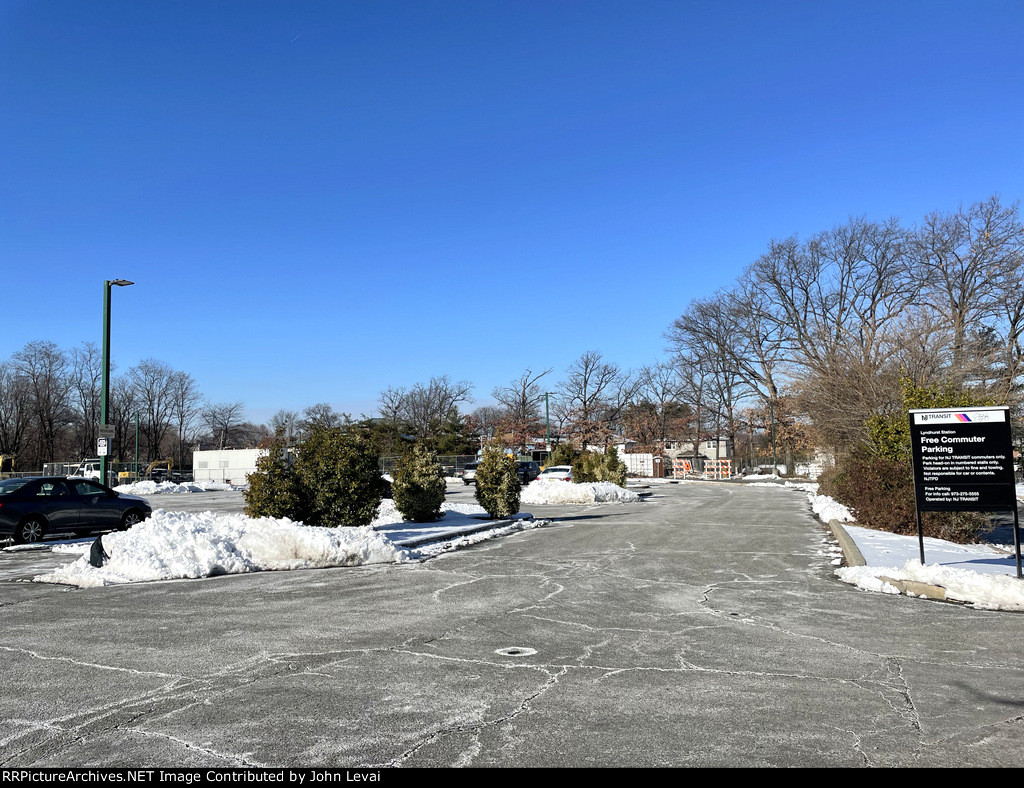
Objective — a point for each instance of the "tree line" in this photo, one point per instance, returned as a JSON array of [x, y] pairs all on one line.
[[825, 332], [50, 406]]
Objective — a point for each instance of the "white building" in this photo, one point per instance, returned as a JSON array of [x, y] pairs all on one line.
[[225, 465]]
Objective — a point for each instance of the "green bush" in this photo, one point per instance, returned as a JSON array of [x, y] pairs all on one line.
[[562, 454], [595, 467], [889, 434], [876, 481], [334, 481], [419, 486], [273, 489], [497, 483], [880, 492]]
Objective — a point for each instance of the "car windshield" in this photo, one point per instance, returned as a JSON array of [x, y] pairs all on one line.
[[7, 486]]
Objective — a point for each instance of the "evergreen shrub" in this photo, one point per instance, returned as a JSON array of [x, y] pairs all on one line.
[[334, 481], [273, 489], [600, 467], [497, 483], [562, 454], [419, 485]]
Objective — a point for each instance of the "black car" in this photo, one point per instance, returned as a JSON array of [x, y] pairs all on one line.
[[528, 471], [32, 507]]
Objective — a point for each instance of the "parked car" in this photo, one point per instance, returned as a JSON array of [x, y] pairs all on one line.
[[31, 507], [528, 471], [469, 473], [562, 473]]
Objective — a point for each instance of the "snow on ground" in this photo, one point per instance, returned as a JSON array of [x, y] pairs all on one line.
[[644, 481], [555, 491], [157, 488], [982, 575], [178, 545]]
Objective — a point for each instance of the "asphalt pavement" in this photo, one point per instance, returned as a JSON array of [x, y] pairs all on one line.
[[701, 627]]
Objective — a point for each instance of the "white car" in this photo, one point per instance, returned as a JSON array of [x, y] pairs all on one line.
[[469, 473], [562, 473]]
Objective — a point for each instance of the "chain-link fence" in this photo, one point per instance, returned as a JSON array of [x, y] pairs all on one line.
[[451, 464]]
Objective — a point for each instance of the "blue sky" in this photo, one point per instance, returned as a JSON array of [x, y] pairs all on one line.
[[318, 200]]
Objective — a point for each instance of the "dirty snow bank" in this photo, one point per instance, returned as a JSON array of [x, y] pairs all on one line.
[[558, 492], [175, 545]]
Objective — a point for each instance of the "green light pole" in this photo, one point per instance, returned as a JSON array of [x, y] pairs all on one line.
[[547, 424], [135, 476], [105, 396]]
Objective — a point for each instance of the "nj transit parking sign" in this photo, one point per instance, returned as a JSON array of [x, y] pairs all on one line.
[[963, 462], [963, 459]]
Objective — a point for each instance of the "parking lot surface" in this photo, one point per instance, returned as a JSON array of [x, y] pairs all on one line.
[[701, 627]]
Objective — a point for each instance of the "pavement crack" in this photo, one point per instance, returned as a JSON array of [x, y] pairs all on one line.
[[465, 759]]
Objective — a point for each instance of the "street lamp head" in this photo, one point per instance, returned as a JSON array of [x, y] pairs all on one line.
[[121, 282]]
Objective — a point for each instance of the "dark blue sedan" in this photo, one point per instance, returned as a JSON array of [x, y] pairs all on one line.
[[32, 507]]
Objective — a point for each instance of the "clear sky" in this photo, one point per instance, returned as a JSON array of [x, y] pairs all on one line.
[[318, 200]]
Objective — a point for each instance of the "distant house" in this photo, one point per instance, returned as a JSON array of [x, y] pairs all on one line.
[[647, 463]]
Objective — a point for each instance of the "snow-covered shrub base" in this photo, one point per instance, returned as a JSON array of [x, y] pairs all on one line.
[[174, 545], [556, 491]]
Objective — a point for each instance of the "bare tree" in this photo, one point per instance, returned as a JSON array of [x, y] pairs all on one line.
[[44, 368], [321, 417], [658, 414], [124, 415], [521, 401], [963, 258], [153, 383], [392, 404], [221, 419], [485, 421], [15, 409], [424, 408], [284, 424], [86, 384], [186, 404], [592, 397]]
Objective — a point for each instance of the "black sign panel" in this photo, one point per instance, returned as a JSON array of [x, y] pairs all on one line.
[[963, 459]]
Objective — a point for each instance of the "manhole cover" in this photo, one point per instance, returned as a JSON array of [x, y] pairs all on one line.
[[516, 651]]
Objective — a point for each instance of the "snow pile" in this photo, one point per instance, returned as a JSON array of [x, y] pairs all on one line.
[[558, 492], [157, 488], [830, 509], [174, 545], [987, 591]]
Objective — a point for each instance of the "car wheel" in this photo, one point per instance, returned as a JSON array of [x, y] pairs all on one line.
[[131, 517], [30, 530]]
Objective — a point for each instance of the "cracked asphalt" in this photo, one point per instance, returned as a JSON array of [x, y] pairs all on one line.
[[702, 627]]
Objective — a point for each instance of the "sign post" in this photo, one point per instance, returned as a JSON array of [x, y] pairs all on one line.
[[963, 462]]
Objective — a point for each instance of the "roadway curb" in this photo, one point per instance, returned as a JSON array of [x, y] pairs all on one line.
[[854, 557], [851, 552]]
